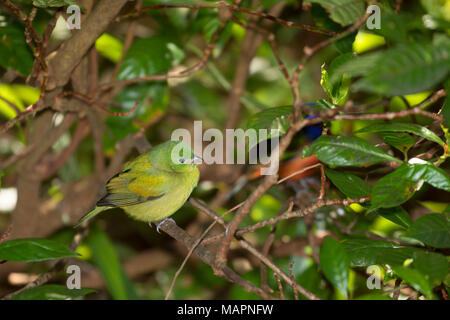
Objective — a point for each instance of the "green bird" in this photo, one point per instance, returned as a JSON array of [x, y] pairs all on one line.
[[153, 186]]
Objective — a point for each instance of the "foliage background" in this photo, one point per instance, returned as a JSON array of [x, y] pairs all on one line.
[[69, 123]]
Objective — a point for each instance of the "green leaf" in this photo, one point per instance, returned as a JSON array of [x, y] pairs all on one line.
[[357, 65], [373, 296], [140, 61], [335, 264], [51, 292], [395, 26], [344, 12], [415, 279], [392, 190], [349, 184], [400, 185], [348, 151], [33, 250], [432, 229], [403, 127], [322, 20], [397, 215], [354, 187], [272, 118], [363, 252], [106, 259], [431, 174], [14, 51], [407, 69], [400, 141], [337, 92], [432, 265]]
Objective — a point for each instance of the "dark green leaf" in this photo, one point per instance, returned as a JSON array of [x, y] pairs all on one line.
[[349, 184], [403, 127], [14, 51], [344, 12], [400, 141], [397, 215], [348, 151], [432, 265], [363, 252], [335, 264], [373, 296], [146, 56], [407, 69], [400, 185], [33, 250], [415, 279], [392, 190], [51, 292], [432, 229]]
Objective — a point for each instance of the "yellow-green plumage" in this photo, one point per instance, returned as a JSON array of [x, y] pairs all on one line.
[[153, 186]]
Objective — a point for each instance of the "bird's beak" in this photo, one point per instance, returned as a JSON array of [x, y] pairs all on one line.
[[197, 160]]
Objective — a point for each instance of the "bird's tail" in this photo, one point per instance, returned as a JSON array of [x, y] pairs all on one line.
[[90, 215]]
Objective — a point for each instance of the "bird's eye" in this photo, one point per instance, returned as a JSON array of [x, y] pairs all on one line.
[[182, 160]]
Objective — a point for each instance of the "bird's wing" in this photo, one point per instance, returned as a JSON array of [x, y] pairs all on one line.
[[132, 187]]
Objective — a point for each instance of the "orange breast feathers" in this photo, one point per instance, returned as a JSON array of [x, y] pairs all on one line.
[[291, 166]]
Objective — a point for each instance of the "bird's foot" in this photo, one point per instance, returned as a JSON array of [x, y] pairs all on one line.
[[162, 221], [150, 225]]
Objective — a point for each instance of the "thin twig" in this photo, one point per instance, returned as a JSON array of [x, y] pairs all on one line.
[[197, 242]]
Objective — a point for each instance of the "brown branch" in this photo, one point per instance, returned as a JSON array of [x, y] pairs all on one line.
[[245, 244], [280, 286], [197, 242], [300, 213], [6, 233], [291, 266], [165, 76], [90, 100], [208, 257], [235, 8], [240, 214], [70, 55]]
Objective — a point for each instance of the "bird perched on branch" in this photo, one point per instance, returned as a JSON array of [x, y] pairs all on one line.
[[153, 186]]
